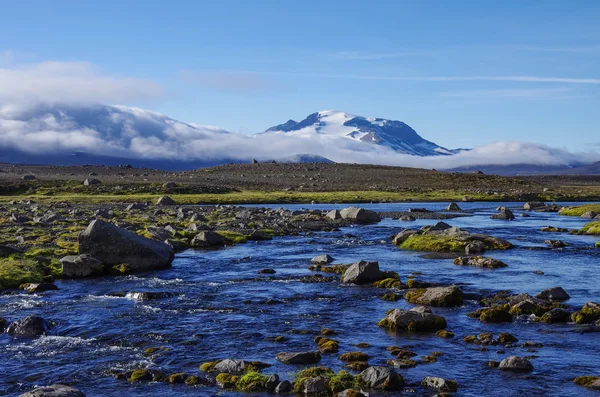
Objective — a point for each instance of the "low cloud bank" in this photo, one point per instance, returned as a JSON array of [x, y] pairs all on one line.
[[136, 133]]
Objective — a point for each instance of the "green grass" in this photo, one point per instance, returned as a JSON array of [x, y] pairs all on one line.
[[256, 197], [236, 238], [15, 271], [592, 228], [580, 210]]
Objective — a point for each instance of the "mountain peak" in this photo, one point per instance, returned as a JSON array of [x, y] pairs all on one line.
[[396, 135]]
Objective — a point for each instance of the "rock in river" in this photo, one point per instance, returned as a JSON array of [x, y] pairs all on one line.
[[325, 258], [54, 391], [440, 383], [364, 272], [504, 214], [300, 358], [359, 215], [413, 320], [207, 239], [114, 246], [437, 296], [80, 266], [554, 294], [28, 327], [382, 378], [479, 261], [517, 364]]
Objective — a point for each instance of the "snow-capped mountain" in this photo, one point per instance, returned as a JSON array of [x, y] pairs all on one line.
[[389, 133]]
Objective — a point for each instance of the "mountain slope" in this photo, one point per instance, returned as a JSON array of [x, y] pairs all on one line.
[[388, 133]]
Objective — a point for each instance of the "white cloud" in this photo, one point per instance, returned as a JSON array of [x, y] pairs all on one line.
[[135, 133], [67, 82]]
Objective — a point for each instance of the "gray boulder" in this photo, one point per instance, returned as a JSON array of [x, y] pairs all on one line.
[[229, 366], [92, 181], [453, 207], [315, 386], [403, 236], [517, 364], [208, 238], [54, 391], [441, 384], [28, 327], [325, 258], [407, 218], [364, 272], [165, 200], [504, 214], [272, 383], [359, 215], [475, 247], [283, 387], [557, 294], [413, 320], [534, 205], [334, 215], [589, 215], [382, 378], [74, 266], [114, 246], [451, 296], [300, 358], [479, 261]]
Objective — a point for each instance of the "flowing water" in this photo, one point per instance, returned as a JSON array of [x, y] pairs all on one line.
[[220, 311]]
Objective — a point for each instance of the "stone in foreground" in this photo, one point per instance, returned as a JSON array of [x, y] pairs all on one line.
[[517, 364], [364, 272], [114, 246], [413, 320], [300, 358], [382, 378], [441, 384], [54, 391], [451, 296], [74, 266], [359, 215], [28, 327]]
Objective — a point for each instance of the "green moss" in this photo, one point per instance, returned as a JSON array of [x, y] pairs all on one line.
[[227, 381], [414, 283], [280, 339], [209, 366], [432, 243], [592, 228], [192, 380], [327, 345], [413, 295], [388, 283], [354, 356], [141, 375], [597, 245], [342, 381], [35, 252], [305, 374], [495, 315], [252, 382], [585, 380], [445, 334], [16, 270], [391, 297], [236, 238], [580, 210], [120, 270], [177, 378]]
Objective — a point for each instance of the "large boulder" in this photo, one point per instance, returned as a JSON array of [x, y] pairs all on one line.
[[402, 236], [453, 207], [413, 320], [557, 294], [359, 215], [334, 215], [74, 266], [382, 378], [54, 391], [315, 386], [441, 384], [299, 358], [589, 215], [534, 205], [28, 327], [114, 246], [364, 272], [517, 364], [504, 214], [437, 296], [324, 258], [229, 366], [475, 247], [207, 238], [165, 200]]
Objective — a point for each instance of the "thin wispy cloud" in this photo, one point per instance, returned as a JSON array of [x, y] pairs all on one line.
[[359, 56], [522, 79], [593, 49], [549, 93]]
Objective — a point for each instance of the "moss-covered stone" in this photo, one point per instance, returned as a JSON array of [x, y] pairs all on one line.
[[443, 333], [505, 337], [354, 356], [388, 283], [589, 313], [176, 378], [326, 345], [357, 365], [495, 315], [209, 366], [391, 297], [227, 381], [591, 228], [252, 382], [585, 380]]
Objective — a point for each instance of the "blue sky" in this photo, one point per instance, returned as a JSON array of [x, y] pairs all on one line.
[[462, 73]]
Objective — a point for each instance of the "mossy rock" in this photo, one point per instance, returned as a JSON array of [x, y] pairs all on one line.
[[193, 380], [252, 382], [414, 283], [326, 345], [592, 228], [209, 366], [433, 243], [328, 332], [589, 313], [495, 315], [391, 297], [227, 381], [505, 337], [354, 356], [388, 283], [443, 333], [597, 245], [585, 380], [141, 375], [357, 365], [177, 378]]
